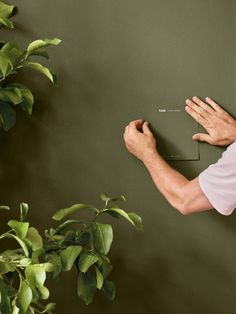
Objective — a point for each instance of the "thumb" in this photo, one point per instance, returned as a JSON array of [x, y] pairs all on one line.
[[146, 129], [203, 137]]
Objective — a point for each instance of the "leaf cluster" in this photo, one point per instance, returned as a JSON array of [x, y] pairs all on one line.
[[84, 248], [12, 60]]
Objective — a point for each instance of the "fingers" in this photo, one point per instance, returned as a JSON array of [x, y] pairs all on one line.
[[199, 107], [202, 104], [146, 129], [214, 104], [202, 137], [134, 126], [196, 116]]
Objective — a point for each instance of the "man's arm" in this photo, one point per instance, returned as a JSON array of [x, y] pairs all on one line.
[[184, 195]]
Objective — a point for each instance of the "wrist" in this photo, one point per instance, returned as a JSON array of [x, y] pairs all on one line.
[[151, 157]]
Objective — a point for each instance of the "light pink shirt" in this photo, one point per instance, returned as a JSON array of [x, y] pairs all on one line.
[[218, 182]]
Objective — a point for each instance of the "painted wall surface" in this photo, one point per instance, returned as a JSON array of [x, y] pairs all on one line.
[[117, 57]]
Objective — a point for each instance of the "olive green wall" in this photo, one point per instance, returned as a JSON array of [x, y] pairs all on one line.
[[71, 149]]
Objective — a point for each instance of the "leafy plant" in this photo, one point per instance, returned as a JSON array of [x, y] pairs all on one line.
[[23, 271], [72, 243], [12, 60]]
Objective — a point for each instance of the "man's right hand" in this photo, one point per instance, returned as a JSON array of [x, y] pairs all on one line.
[[221, 127]]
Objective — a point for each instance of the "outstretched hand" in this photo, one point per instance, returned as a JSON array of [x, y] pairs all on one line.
[[221, 127], [139, 140]]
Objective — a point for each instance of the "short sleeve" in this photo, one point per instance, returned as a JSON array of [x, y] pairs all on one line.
[[218, 182]]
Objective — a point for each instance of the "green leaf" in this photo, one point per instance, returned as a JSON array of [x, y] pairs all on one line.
[[50, 307], [7, 116], [137, 220], [42, 69], [54, 259], [86, 260], [22, 244], [120, 212], [105, 197], [66, 224], [86, 287], [12, 52], [41, 43], [5, 307], [109, 289], [6, 266], [44, 292], [35, 275], [69, 255], [5, 9], [40, 52], [20, 228], [35, 238], [6, 22], [102, 237], [62, 213], [106, 269], [27, 98], [99, 278], [4, 207], [24, 296], [11, 94], [24, 208], [5, 64]]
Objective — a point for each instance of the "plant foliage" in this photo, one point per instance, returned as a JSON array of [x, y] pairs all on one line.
[[83, 248], [12, 60]]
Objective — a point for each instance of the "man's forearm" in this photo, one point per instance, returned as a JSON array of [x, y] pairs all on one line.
[[169, 181]]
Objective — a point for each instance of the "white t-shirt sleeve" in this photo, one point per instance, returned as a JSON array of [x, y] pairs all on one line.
[[218, 182]]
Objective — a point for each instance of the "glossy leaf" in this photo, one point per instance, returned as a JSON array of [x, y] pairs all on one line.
[[6, 22], [66, 224], [22, 244], [41, 43], [5, 64], [35, 275], [5, 9], [50, 307], [12, 52], [109, 289], [24, 208], [27, 99], [11, 94], [69, 255], [44, 292], [40, 52], [62, 213], [102, 237], [86, 287], [120, 213], [86, 260], [35, 238], [137, 220], [99, 278], [24, 296], [5, 307], [42, 69], [20, 228], [7, 116], [54, 259]]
